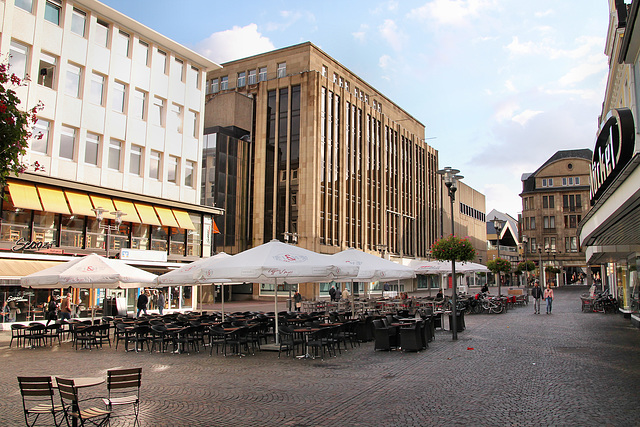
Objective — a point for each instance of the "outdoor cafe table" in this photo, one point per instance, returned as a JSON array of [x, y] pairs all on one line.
[[79, 382], [306, 333]]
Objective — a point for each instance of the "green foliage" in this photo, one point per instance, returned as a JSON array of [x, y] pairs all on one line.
[[453, 248], [525, 266], [15, 126], [551, 269], [499, 265]]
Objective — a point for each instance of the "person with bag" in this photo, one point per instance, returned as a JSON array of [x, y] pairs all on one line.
[[297, 299], [536, 293], [52, 310], [548, 296]]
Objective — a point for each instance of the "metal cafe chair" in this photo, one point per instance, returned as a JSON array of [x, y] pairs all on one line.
[[37, 400], [72, 410], [123, 386]]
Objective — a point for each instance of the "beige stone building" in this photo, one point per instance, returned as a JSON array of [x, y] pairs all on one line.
[[554, 200], [314, 154]]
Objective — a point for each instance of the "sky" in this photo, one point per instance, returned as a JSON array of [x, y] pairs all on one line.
[[500, 85]]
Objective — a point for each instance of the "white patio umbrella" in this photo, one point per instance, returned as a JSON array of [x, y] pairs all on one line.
[[192, 274], [372, 268], [90, 272], [276, 263], [471, 267]]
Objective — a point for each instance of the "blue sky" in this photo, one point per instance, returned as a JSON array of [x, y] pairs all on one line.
[[500, 85]]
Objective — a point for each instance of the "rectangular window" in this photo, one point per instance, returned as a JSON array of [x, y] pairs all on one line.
[[533, 223], [47, 69], [176, 114], [72, 84], [25, 5], [262, 74], [115, 151], [545, 202], [40, 142], [242, 79], [101, 33], [135, 160], [188, 173], [214, 86], [78, 22], [577, 180], [549, 222], [551, 202], [138, 104], [564, 181], [550, 182], [252, 77], [157, 111], [119, 97], [52, 10], [18, 58], [97, 88], [142, 53], [532, 241], [172, 172], [224, 83], [67, 142], [179, 69], [193, 120], [570, 180], [155, 159], [282, 69], [91, 148], [122, 42], [196, 76], [544, 182], [163, 60]]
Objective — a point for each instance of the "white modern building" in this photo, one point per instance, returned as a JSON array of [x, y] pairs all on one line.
[[122, 131]]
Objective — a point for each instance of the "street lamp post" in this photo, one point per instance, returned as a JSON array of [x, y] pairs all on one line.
[[526, 271], [451, 179], [498, 224], [540, 266], [294, 239], [107, 227]]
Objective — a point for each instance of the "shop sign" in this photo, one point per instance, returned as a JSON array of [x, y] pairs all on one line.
[[23, 244], [613, 151]]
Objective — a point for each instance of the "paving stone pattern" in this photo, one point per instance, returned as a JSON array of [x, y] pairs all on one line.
[[517, 368]]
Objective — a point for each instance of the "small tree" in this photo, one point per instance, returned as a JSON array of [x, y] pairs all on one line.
[[497, 266], [453, 248], [15, 126], [525, 267]]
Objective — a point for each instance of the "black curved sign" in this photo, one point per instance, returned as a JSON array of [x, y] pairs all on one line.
[[614, 149]]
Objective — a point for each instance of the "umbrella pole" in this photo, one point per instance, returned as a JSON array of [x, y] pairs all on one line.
[[222, 288], [276, 310], [353, 298]]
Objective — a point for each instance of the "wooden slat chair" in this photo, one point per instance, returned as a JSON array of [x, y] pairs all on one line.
[[123, 387], [72, 410], [37, 399]]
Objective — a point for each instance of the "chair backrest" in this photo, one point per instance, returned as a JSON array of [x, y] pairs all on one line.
[[124, 378], [67, 389], [35, 386]]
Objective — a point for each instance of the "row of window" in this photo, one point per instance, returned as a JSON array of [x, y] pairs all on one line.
[[472, 212], [121, 43], [571, 180], [244, 78], [571, 202], [570, 244], [338, 80], [69, 149], [549, 222]]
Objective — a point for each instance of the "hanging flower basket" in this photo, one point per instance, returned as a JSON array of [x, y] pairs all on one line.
[[453, 248]]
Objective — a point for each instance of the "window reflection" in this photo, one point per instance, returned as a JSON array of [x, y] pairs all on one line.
[[177, 241], [45, 227], [140, 236], [72, 231], [159, 239], [15, 222]]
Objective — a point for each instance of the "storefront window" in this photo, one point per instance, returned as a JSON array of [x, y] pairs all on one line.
[[15, 222], [177, 241], [95, 235], [45, 227], [194, 237], [634, 285], [159, 239], [72, 231], [119, 239], [187, 297], [140, 236]]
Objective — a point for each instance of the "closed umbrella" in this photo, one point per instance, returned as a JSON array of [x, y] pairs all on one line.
[[276, 263]]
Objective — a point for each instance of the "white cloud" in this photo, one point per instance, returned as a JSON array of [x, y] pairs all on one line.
[[505, 111], [389, 31], [239, 42], [452, 12], [384, 61], [362, 34], [595, 65], [545, 13], [510, 86], [525, 116], [586, 46]]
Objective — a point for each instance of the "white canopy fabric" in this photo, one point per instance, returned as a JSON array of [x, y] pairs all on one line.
[[192, 273], [444, 267], [372, 268], [276, 263], [90, 272], [471, 267]]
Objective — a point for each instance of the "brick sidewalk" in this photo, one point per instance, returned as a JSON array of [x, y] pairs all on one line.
[[568, 368]]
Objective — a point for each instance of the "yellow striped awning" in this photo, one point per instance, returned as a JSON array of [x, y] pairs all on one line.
[[183, 219], [80, 203], [53, 200], [147, 214], [24, 196], [127, 208], [105, 203], [166, 217]]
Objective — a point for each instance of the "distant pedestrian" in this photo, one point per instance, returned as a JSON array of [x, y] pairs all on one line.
[[536, 293], [332, 293], [143, 300], [548, 296], [485, 289], [52, 310], [161, 302], [345, 294], [297, 299]]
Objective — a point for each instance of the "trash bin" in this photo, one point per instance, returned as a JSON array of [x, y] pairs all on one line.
[[459, 321]]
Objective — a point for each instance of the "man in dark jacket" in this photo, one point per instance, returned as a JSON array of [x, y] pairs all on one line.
[[536, 293], [332, 293], [143, 300]]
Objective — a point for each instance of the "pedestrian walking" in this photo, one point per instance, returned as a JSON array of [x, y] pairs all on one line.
[[297, 299], [332, 293], [548, 296], [65, 308], [160, 302], [536, 293], [143, 300], [52, 310]]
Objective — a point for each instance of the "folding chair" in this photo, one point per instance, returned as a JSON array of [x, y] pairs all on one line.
[[37, 399], [71, 405], [123, 386]]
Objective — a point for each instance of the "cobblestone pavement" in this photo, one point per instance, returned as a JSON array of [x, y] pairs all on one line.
[[518, 368]]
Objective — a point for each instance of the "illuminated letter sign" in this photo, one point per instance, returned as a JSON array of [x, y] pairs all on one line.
[[614, 149]]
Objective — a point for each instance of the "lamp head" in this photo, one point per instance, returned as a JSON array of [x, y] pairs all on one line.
[[99, 211]]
